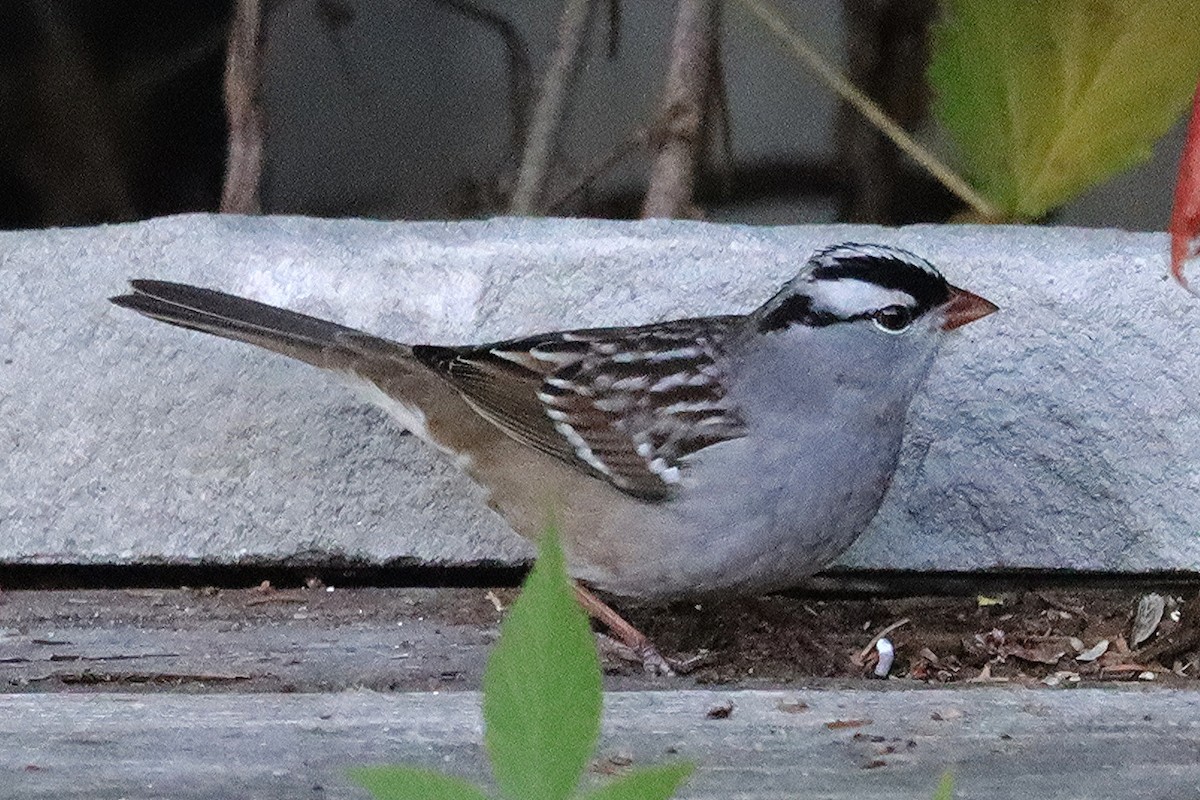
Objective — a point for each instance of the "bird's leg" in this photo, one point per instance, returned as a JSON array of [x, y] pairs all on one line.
[[637, 642]]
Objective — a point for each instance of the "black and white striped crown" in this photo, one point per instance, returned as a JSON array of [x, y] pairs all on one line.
[[851, 281]]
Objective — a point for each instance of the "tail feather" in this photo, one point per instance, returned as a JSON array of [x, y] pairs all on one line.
[[316, 341]]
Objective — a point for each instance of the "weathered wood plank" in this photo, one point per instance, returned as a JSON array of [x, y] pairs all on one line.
[[418, 657], [422, 639], [1085, 743]]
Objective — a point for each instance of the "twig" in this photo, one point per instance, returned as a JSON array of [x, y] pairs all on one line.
[[866, 651], [689, 81], [153, 70], [848, 92], [718, 108], [336, 17], [548, 114], [885, 56], [614, 27], [278, 597], [520, 73], [629, 145], [243, 108]]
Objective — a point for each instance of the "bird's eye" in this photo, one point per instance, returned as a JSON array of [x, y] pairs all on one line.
[[892, 319]]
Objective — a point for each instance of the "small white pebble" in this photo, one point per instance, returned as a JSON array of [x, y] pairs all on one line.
[[887, 654], [1146, 676]]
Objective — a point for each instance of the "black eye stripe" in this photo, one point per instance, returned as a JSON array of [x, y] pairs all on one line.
[[796, 309], [927, 288]]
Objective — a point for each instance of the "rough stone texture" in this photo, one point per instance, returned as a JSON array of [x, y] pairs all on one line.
[[873, 745], [1062, 432]]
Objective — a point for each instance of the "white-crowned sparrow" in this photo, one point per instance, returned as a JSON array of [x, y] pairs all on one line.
[[732, 453]]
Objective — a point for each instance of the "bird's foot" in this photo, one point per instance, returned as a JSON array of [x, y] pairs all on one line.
[[628, 643], [648, 656]]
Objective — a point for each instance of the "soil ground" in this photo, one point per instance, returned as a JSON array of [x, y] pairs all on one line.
[[320, 638]]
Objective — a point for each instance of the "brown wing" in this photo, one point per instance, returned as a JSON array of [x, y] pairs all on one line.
[[625, 405]]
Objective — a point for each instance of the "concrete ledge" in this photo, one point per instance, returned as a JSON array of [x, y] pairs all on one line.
[[873, 745], [1063, 432]]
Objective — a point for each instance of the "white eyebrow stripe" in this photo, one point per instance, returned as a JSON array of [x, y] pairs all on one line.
[[848, 297]]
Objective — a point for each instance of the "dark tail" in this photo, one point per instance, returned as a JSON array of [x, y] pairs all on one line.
[[317, 341]]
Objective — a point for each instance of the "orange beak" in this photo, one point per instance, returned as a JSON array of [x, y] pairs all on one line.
[[964, 307]]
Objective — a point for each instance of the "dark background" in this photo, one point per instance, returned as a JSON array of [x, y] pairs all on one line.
[[412, 109]]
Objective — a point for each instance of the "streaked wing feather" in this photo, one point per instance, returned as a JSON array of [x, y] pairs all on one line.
[[624, 405], [503, 392]]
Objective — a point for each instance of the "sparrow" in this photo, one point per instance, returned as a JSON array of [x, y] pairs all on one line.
[[731, 454]]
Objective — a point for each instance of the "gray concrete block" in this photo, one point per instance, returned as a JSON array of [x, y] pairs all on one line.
[[1062, 432]]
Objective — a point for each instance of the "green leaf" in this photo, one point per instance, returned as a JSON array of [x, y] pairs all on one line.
[[541, 690], [1046, 99], [409, 783], [945, 789], [648, 783]]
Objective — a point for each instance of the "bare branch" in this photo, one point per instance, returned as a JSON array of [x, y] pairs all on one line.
[[886, 55], [614, 27], [243, 108], [633, 143], [716, 111], [520, 72], [548, 114], [690, 78]]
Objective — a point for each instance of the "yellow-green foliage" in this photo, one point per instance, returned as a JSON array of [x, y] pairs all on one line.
[[1046, 98]]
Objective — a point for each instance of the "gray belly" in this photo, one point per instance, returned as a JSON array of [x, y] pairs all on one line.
[[752, 517]]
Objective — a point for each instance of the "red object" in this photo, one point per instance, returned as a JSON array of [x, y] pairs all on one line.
[[1185, 216]]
